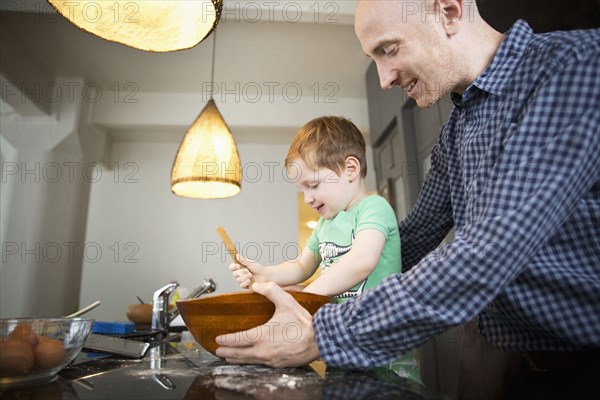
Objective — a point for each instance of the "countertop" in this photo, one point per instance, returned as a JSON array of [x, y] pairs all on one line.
[[186, 371]]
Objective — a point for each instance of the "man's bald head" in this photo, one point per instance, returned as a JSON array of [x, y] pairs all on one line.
[[427, 47]]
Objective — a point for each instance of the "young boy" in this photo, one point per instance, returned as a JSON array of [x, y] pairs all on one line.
[[356, 241]]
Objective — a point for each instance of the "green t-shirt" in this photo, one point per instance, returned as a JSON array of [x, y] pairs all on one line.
[[332, 238]]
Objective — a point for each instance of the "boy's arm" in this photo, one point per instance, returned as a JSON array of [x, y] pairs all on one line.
[[284, 274], [353, 267], [293, 272]]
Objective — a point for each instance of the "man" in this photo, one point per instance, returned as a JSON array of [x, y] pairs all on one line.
[[516, 171]]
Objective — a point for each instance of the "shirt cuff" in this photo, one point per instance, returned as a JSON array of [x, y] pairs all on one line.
[[334, 340]]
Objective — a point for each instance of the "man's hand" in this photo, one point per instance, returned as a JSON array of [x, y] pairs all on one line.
[[286, 340]]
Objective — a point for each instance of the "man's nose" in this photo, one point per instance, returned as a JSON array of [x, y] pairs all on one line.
[[387, 77]]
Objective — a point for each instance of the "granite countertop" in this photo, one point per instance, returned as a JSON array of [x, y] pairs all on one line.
[[186, 371]]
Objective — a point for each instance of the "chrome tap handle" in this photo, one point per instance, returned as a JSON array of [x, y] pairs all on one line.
[[207, 286], [160, 305]]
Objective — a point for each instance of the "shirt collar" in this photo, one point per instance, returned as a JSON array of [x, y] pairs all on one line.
[[506, 59]]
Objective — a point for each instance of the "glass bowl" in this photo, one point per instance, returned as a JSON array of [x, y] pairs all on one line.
[[34, 350]]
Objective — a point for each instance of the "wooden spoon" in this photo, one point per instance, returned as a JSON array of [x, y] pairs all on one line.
[[233, 253]]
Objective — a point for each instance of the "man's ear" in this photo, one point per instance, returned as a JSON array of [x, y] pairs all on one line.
[[352, 168], [451, 12]]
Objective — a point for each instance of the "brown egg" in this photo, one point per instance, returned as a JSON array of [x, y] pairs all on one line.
[[24, 333], [49, 353], [16, 358]]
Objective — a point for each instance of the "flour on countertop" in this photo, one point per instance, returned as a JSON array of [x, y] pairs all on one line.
[[241, 370], [242, 379]]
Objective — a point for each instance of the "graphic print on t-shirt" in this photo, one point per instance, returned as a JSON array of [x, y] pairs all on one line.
[[330, 252]]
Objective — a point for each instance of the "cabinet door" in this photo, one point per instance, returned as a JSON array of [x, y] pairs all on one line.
[[384, 105], [427, 128], [390, 101], [373, 89], [396, 143], [385, 163], [400, 200]]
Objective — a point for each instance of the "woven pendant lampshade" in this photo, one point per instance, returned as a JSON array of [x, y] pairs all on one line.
[[150, 25], [207, 165]]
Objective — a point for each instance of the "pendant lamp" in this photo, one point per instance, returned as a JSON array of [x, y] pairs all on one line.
[[150, 25], [207, 164]]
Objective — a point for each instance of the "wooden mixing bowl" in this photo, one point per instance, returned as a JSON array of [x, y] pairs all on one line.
[[211, 316], [140, 314]]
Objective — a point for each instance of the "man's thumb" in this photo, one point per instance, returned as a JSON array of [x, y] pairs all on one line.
[[271, 291]]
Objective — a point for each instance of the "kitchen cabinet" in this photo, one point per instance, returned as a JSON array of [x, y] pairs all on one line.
[[427, 127], [384, 105], [402, 136], [394, 155], [397, 168], [388, 158]]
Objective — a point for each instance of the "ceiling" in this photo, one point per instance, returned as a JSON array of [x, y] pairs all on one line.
[[281, 46], [260, 46]]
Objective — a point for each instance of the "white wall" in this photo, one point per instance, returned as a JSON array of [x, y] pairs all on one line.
[[44, 206], [162, 237], [171, 238], [41, 231]]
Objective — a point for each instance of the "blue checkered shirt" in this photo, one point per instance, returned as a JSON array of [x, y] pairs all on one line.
[[516, 170]]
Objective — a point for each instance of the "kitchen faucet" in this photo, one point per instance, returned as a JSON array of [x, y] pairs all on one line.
[[161, 318]]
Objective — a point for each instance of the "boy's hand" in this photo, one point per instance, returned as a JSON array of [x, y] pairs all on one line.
[[246, 270]]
